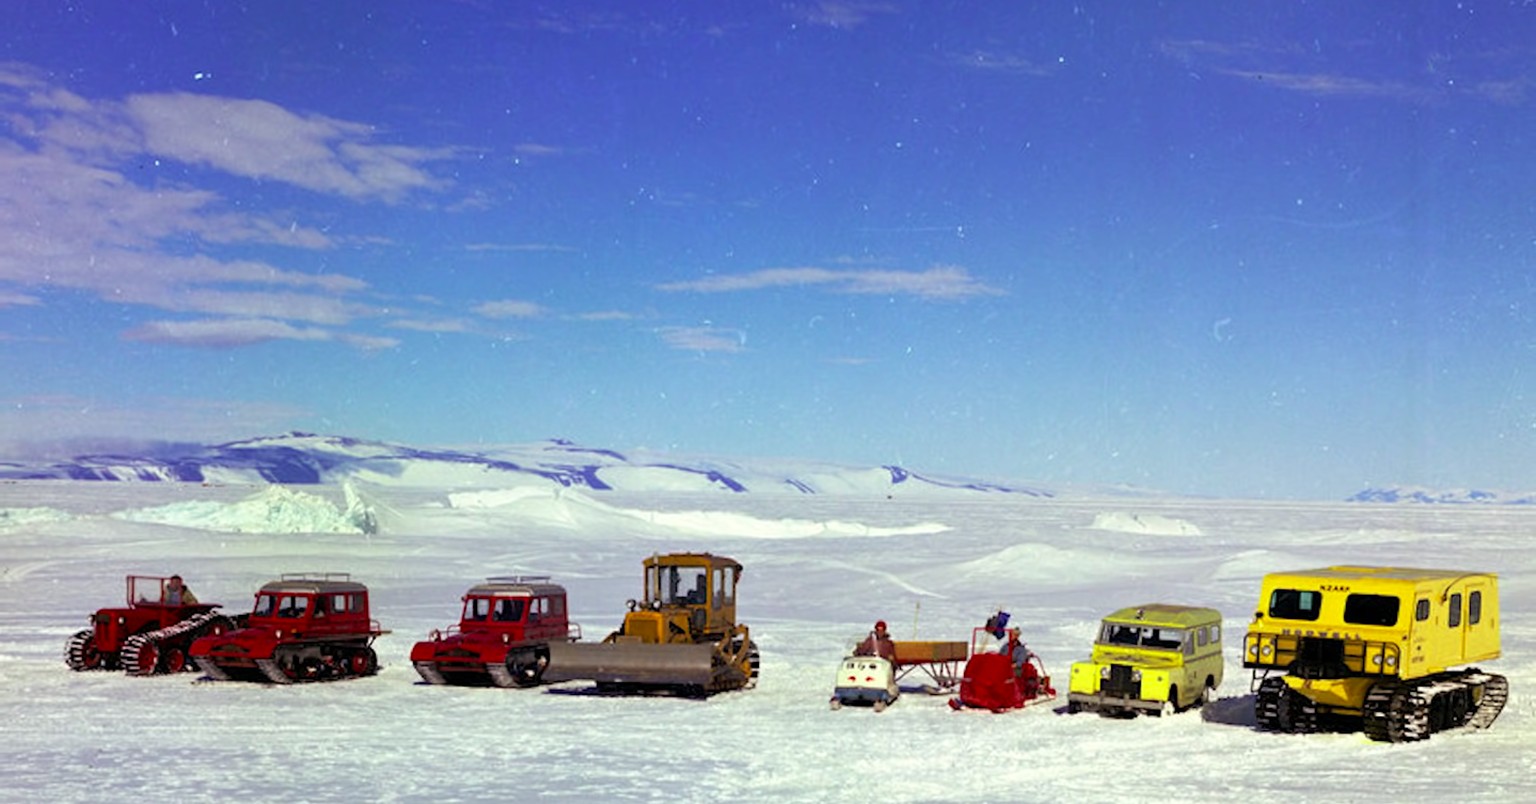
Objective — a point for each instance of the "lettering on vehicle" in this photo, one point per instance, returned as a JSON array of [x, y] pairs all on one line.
[[1335, 587], [1308, 632]]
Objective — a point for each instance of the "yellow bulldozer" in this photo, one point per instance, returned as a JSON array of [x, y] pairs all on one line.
[[680, 637]]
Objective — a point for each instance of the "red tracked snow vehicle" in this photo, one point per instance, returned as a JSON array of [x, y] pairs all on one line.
[[503, 636], [148, 636], [1001, 674], [307, 627]]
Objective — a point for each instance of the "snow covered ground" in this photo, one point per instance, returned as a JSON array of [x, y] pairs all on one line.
[[819, 570]]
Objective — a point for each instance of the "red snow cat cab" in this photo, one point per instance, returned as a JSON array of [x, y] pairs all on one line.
[[307, 627], [503, 636], [149, 636], [1001, 674]]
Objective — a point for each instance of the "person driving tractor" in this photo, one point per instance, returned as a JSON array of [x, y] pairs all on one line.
[[176, 593]]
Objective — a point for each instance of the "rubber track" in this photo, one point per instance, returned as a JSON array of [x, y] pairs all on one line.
[[500, 675], [1279, 708], [429, 673], [1495, 694], [1396, 713], [211, 669], [1400, 712], [273, 672], [194, 625], [1266, 703]]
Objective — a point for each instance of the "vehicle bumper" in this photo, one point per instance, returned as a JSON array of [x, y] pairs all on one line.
[[1099, 700]]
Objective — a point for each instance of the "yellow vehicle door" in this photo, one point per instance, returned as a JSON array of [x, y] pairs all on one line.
[[1480, 632]]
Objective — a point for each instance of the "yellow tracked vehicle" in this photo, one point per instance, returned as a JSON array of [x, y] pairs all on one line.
[[680, 637], [1378, 648]]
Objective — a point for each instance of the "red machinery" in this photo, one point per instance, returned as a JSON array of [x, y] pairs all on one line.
[[998, 681], [146, 637], [303, 628], [503, 635]]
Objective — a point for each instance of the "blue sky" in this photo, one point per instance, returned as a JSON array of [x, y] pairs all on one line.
[[1265, 249]]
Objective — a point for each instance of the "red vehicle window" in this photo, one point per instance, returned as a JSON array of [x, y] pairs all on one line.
[[293, 606], [265, 605], [509, 610]]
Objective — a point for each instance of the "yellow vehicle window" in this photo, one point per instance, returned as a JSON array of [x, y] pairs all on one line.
[[1295, 604], [1371, 609]]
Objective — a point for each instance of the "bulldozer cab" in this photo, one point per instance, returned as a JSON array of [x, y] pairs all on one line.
[[693, 592]]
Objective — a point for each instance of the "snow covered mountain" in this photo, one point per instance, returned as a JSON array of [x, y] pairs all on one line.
[[305, 458], [1416, 494]]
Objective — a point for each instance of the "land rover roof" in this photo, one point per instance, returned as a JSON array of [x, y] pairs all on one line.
[[1165, 614]]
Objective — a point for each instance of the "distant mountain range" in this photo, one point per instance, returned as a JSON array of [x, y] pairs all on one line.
[[306, 458], [1414, 494]]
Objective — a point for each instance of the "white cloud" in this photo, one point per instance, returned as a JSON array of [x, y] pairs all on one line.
[[518, 247], [939, 282], [228, 333], [605, 315], [439, 325], [535, 150], [509, 308], [845, 13], [261, 140], [63, 425], [94, 200], [8, 299], [704, 339]]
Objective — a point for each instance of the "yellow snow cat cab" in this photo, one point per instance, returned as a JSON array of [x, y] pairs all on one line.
[[1377, 648], [680, 637]]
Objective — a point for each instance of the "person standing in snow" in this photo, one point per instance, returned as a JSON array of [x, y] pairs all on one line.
[[176, 593], [878, 643]]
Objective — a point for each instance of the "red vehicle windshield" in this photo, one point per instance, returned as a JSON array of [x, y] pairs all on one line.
[[494, 609], [284, 606]]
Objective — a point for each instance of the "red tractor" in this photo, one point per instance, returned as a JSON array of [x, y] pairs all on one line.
[[149, 636], [304, 628], [502, 638]]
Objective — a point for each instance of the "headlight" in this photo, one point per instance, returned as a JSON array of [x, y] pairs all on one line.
[[1376, 660], [1253, 650], [1104, 671], [1136, 676], [1391, 661], [1268, 649]]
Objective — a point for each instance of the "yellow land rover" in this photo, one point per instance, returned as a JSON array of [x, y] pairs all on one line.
[[1157, 658]]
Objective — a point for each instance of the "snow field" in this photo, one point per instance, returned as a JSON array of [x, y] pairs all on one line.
[[807, 596]]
